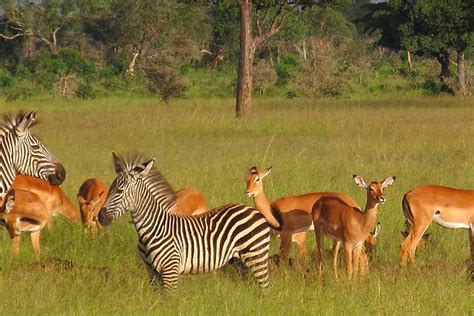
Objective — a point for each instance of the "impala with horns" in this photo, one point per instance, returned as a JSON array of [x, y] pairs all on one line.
[[448, 207], [347, 224], [289, 216]]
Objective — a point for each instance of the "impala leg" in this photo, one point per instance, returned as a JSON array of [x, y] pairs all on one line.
[[35, 242], [471, 238], [319, 234], [285, 247], [357, 255], [408, 247], [348, 257], [335, 253], [300, 239], [15, 241]]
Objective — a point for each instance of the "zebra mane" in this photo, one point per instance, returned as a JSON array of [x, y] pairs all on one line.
[[159, 186], [11, 120]]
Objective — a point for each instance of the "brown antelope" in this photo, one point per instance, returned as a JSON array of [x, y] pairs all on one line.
[[52, 196], [348, 224], [368, 250], [448, 207], [190, 201], [290, 216], [28, 214], [92, 195]]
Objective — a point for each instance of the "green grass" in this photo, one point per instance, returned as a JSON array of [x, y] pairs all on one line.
[[312, 146]]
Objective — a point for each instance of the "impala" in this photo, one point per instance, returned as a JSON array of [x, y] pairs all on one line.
[[190, 201], [92, 195], [347, 223], [28, 214], [448, 207], [52, 196], [290, 216]]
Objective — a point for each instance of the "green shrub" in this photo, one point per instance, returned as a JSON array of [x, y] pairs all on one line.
[[23, 72], [166, 81], [6, 79], [22, 90], [288, 65], [85, 91]]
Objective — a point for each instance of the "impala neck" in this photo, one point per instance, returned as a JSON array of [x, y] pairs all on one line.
[[264, 206], [370, 213]]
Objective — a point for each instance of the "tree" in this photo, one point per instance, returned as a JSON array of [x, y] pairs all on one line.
[[42, 21], [269, 19], [437, 27]]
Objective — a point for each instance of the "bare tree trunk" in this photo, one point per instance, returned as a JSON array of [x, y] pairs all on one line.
[[247, 51], [462, 87], [410, 64], [131, 65], [443, 59]]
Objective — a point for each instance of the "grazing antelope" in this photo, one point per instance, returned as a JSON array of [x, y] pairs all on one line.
[[448, 207], [92, 195], [290, 216], [28, 214], [52, 196], [190, 201], [348, 224], [170, 244]]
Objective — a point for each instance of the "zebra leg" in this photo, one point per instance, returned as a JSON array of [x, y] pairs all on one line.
[[169, 277], [153, 275], [257, 261]]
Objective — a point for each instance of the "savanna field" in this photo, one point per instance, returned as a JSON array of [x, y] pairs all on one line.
[[311, 145]]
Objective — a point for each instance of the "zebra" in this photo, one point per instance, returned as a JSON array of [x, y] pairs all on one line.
[[170, 244], [23, 153]]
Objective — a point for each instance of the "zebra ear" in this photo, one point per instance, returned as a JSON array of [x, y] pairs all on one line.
[[148, 165], [117, 163], [25, 123], [143, 170]]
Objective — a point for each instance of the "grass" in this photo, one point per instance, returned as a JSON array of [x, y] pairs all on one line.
[[312, 146]]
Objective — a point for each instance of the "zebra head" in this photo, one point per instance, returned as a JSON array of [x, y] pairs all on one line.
[[26, 153], [125, 189]]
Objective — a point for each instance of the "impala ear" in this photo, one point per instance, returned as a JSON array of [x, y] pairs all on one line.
[[81, 199], [359, 181], [269, 169], [253, 170], [377, 229], [388, 182]]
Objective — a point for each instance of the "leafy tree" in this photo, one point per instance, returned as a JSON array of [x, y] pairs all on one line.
[[437, 27]]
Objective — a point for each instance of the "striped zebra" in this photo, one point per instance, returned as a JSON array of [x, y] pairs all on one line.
[[23, 153], [171, 244]]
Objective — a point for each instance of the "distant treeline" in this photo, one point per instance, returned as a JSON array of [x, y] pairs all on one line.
[[85, 49]]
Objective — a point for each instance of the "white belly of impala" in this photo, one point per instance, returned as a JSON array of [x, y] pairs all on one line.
[[438, 220]]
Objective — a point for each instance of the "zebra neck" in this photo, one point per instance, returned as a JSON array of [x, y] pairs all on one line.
[[7, 169]]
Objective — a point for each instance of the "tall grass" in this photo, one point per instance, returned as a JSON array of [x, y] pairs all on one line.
[[312, 146]]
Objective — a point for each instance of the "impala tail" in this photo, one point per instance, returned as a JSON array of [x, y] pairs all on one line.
[[407, 212]]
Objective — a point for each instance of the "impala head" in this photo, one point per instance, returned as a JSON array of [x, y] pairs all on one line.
[[254, 181], [371, 241], [374, 189], [130, 176], [90, 209], [30, 155], [8, 201]]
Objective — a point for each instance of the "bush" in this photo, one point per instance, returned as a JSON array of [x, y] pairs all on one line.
[[85, 91], [288, 65], [264, 78], [166, 81], [6, 79], [22, 90]]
